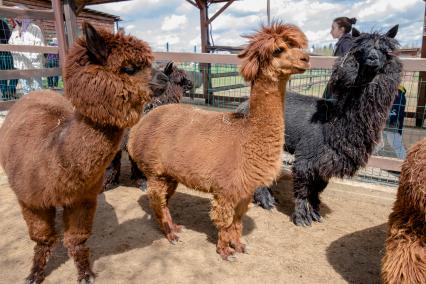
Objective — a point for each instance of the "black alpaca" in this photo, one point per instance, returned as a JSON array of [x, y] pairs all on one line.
[[168, 86], [334, 138]]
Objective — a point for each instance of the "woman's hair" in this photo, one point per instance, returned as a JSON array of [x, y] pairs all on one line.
[[345, 22]]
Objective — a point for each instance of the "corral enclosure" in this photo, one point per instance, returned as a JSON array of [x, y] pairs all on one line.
[[128, 246]]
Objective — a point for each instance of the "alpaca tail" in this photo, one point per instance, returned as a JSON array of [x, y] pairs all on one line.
[[404, 260]]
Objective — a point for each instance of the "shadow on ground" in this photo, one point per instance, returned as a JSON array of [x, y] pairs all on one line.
[[357, 256], [112, 238]]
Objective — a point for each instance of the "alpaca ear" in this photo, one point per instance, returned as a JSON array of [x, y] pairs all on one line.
[[355, 32], [392, 32], [249, 69], [96, 45], [169, 68]]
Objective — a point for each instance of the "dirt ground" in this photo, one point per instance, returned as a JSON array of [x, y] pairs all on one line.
[[128, 247]]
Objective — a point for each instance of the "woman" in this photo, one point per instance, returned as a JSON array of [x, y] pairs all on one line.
[[27, 33], [341, 29]]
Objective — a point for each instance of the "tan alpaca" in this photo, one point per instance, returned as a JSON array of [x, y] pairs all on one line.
[[55, 149], [223, 153], [405, 251]]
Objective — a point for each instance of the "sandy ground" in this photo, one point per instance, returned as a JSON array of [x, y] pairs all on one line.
[[128, 247]]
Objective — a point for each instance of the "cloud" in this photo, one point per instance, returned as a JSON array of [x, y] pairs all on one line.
[[178, 22], [174, 22]]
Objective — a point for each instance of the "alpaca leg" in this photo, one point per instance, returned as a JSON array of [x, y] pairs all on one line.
[[303, 211], [112, 173], [78, 220], [41, 228], [317, 187], [135, 173], [159, 192], [264, 198], [237, 225], [227, 218]]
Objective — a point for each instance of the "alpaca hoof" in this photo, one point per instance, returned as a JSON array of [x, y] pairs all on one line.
[[264, 198], [239, 247], [172, 238], [316, 216], [88, 278], [35, 278], [143, 185], [227, 254]]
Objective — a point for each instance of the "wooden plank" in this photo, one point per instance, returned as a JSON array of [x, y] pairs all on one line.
[[223, 8], [317, 62], [30, 73], [11, 12], [6, 105], [385, 163], [225, 74], [197, 57], [29, 48], [71, 20]]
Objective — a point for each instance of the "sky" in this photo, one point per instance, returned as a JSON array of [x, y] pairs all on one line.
[[177, 22]]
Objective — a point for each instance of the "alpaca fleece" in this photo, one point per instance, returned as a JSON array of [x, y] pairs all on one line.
[[334, 138], [405, 251], [56, 148], [222, 153]]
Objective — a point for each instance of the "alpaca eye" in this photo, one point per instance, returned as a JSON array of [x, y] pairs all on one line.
[[278, 51], [130, 70]]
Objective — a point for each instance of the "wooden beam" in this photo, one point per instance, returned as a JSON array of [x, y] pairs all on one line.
[[11, 12], [29, 48], [192, 3], [60, 31], [70, 21], [385, 163], [220, 11], [317, 62], [421, 95], [29, 73], [6, 105]]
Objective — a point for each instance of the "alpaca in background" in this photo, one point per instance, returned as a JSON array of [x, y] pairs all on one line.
[[405, 252], [222, 153], [168, 87], [55, 149], [334, 138]]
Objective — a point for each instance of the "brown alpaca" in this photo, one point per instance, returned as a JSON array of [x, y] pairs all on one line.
[[222, 153], [55, 148], [405, 255]]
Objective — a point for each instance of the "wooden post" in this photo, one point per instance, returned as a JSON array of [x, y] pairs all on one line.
[[268, 11], [70, 20], [421, 98], [60, 32], [205, 44]]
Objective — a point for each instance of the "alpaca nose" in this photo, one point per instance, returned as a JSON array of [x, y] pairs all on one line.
[[373, 55], [305, 58]]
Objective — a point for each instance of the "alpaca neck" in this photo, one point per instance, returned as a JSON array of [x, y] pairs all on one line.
[[359, 117], [267, 100], [87, 147]]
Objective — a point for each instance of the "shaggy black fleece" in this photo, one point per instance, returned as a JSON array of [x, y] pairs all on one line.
[[335, 137]]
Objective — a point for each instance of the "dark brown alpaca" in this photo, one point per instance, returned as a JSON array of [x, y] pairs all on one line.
[[222, 153], [168, 87], [55, 148], [405, 255]]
